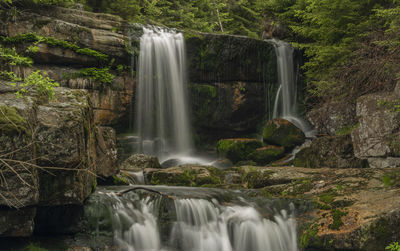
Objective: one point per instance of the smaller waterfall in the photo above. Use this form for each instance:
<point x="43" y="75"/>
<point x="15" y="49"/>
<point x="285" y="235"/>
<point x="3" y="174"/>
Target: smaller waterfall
<point x="285" y="105"/>
<point x="161" y="107"/>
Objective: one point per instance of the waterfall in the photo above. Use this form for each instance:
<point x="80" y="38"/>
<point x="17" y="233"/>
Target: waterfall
<point x="161" y="108"/>
<point x="285" y="105"/>
<point x="139" y="223"/>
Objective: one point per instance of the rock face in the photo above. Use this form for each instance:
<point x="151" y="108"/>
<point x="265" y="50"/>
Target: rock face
<point x="230" y="77"/>
<point x="100" y="32"/>
<point x="281" y="132"/>
<point x="329" y="151"/>
<point x="52" y="153"/>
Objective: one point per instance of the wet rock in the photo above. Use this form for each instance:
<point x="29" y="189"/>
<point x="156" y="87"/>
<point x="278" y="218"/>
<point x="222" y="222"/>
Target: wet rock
<point x="139" y="162"/>
<point x="171" y="163"/>
<point x="224" y="109"/>
<point x="222" y="163"/>
<point x="281" y="132"/>
<point x="238" y="149"/>
<point x="267" y="154"/>
<point x="329" y="151"/>
<point x="221" y="57"/>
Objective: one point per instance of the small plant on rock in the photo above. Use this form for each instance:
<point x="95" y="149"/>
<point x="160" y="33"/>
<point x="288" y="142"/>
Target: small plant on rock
<point x="395" y="246"/>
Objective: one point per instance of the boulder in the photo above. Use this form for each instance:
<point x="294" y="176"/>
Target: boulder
<point x="17" y="223"/>
<point x="378" y="132"/>
<point x="281" y="132"/>
<point x="238" y="149"/>
<point x="329" y="151"/>
<point x="332" y="117"/>
<point x="138" y="162"/>
<point x="267" y="154"/>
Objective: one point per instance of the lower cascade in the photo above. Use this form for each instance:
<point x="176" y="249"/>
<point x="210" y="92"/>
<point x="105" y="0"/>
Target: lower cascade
<point x="145" y="222"/>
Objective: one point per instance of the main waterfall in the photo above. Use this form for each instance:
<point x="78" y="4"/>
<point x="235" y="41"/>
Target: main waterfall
<point x="161" y="108"/>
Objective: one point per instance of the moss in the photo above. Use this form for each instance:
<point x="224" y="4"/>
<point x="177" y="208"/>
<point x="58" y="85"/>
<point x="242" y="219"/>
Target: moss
<point x="327" y="197"/>
<point x="34" y="38"/>
<point x="257" y="179"/>
<point x="238" y="149"/>
<point x="246" y="163"/>
<point x="337" y="215"/>
<point x="101" y="75"/>
<point x="34" y="247"/>
<point x="282" y="133"/>
<point x="203" y="99"/>
<point x="309" y="237"/>
<point x="119" y="180"/>
<point x="11" y="122"/>
<point x="391" y="179"/>
<point x="267" y="154"/>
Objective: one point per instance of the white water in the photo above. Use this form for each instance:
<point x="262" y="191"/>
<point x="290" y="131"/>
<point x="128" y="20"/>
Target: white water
<point x="200" y="225"/>
<point x="285" y="105"/>
<point x="161" y="107"/>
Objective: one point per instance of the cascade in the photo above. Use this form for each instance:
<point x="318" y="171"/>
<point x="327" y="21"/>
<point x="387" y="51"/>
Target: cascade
<point x="285" y="104"/>
<point x="195" y="223"/>
<point x="161" y="108"/>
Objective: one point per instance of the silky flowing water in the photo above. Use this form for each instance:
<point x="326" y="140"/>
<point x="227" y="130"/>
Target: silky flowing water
<point x="191" y="219"/>
<point x="285" y="105"/>
<point x="161" y="108"/>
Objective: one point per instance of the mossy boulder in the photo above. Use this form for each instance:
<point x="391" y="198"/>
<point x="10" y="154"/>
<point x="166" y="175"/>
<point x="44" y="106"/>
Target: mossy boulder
<point x="238" y="149"/>
<point x="266" y="154"/>
<point x="281" y="132"/>
<point x="11" y="122"/>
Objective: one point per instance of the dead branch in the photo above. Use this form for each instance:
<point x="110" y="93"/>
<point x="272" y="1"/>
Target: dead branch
<point x="145" y="189"/>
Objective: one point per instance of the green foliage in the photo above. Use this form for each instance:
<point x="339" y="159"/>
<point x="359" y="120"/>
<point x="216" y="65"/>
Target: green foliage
<point x="37" y="82"/>
<point x="10" y="56"/>
<point x="395" y="246"/>
<point x="102" y="75"/>
<point x="34" y="247"/>
<point x="36" y="39"/>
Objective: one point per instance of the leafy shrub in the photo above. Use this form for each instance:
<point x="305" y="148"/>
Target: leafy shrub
<point x="395" y="246"/>
<point x="37" y="82"/>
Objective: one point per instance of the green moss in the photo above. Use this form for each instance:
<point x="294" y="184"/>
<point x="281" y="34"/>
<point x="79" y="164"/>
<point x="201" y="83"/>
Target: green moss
<point x="337" y="215"/>
<point x="34" y="38"/>
<point x="327" y="197"/>
<point x="267" y="154"/>
<point x="34" y="247"/>
<point x="101" y="75"/>
<point x="346" y="130"/>
<point x="256" y="179"/>
<point x="119" y="180"/>
<point x="391" y="179"/>
<point x="11" y="122"/>
<point x="246" y="163"/>
<point x="309" y="237"/>
<point x="281" y="132"/>
<point x="238" y="149"/>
